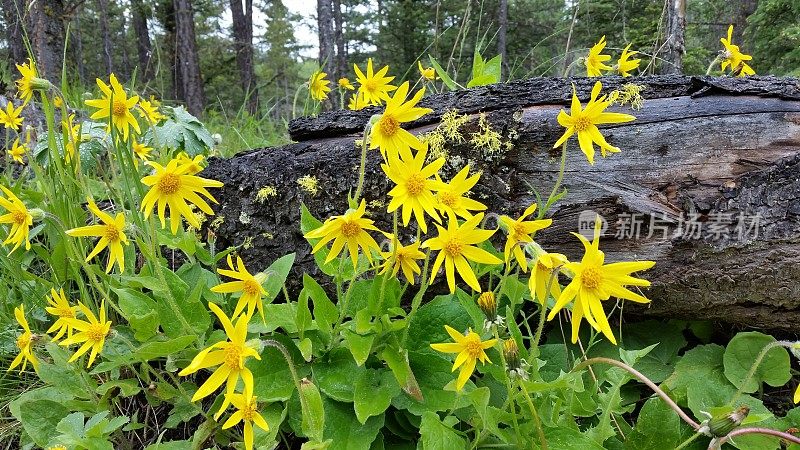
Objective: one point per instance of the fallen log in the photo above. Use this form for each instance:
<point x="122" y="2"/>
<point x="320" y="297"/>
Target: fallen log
<point x="707" y="185"/>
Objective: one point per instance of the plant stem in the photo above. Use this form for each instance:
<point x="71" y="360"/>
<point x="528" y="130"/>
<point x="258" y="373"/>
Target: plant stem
<point x="756" y="363"/>
<point x="691" y="439"/>
<point x="535" y="415"/>
<point x="362" y="167"/>
<point x="766" y="431"/>
<point x="713" y="63"/>
<point x="557" y="186"/>
<point x="671" y="403"/>
<point x="540" y="327"/>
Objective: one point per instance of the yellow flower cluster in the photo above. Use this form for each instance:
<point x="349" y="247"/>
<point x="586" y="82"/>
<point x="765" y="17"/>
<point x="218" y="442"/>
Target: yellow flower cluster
<point x="733" y="58"/>
<point x="595" y="61"/>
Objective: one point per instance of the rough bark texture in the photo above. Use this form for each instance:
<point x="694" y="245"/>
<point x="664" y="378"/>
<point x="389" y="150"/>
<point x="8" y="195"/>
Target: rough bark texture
<point x="242" y="16"/>
<point x="676" y="31"/>
<point x="701" y="149"/>
<point x="502" y="29"/>
<point x="338" y="37"/>
<point x="102" y="8"/>
<point x="327" y="54"/>
<point x="12" y="11"/>
<point x="190" y="81"/>
<point x="144" y="47"/>
<point x="47" y="37"/>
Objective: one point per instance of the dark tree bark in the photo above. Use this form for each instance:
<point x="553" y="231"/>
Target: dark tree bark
<point x="77" y="48"/>
<point x="102" y="8"/>
<point x="676" y="31"/>
<point x="127" y="64"/>
<point x="47" y="37"/>
<point x="338" y="37"/>
<point x="188" y="73"/>
<point x="502" y="20"/>
<point x="144" y="48"/>
<point x="702" y="148"/>
<point x="13" y="10"/>
<point x="243" y="46"/>
<point x="327" y="54"/>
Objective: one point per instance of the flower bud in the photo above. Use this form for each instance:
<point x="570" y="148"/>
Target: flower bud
<point x="488" y="305"/>
<point x="40" y="84"/>
<point x="722" y="425"/>
<point x="37" y="214"/>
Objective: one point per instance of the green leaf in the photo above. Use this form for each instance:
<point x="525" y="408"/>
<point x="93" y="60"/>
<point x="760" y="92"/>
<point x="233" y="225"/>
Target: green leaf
<point x="272" y="377"/>
<point x="485" y="72"/>
<point x="345" y="431"/>
<point x="313" y="411"/>
<point x="39" y="419"/>
<point x="160" y="348"/>
<point x="336" y="374"/>
<point x="656" y="427"/>
<point x="373" y="392"/>
<point x="276" y="276"/>
<point x="427" y="325"/>
<point x="438" y="436"/>
<point x="398" y="363"/>
<point x="360" y="346"/>
<point x="443" y="74"/>
<point x="741" y="354"/>
<point x="325" y="312"/>
<point x="140" y="312"/>
<point x="302" y="318"/>
<point x="569" y="439"/>
<point x="190" y="310"/>
<point x="127" y="387"/>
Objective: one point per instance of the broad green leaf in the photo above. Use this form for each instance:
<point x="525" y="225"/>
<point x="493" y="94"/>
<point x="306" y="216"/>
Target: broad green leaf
<point x="313" y="411"/>
<point x="740" y="356"/>
<point x="427" y="325"/>
<point x="398" y="363"/>
<point x="335" y="374"/>
<point x="485" y="72"/>
<point x="190" y="312"/>
<point x="302" y="318"/>
<point x="273" y="379"/>
<point x="360" y="346"/>
<point x="345" y="431"/>
<point x="570" y="439"/>
<point x="39" y="419"/>
<point x="325" y="312"/>
<point x="127" y="387"/>
<point x="276" y="276"/>
<point x="160" y="348"/>
<point x="656" y="427"/>
<point x="438" y="436"/>
<point x="140" y="312"/>
<point x="373" y="391"/>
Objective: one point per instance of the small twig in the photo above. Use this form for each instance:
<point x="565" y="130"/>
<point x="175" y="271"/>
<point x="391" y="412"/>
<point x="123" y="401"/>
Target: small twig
<point x="716" y="444"/>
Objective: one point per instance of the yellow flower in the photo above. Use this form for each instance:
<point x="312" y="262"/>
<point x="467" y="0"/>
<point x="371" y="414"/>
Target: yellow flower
<point x="58" y="102"/>
<point x="344" y="83"/>
<point x="247" y="406"/>
<point x="172" y="186"/>
<point x="427" y="73"/>
<point x="111" y="234"/>
<point x="456" y="245"/>
<point x="797" y="394"/>
<point x="470" y="349"/>
<point x="229" y="355"/>
<point x="402" y="257"/>
<point x="17" y="151"/>
<point x="351" y="229"/>
<point x="60" y="307"/>
<point x="414" y="190"/>
<point x="450" y="196"/>
<point x="91" y="332"/>
<point x="11" y="116"/>
<point x="249" y="285"/>
<point x="585" y="121"/>
<point x="24" y="342"/>
<point x="149" y="111"/>
<point x="594" y="60"/>
<point x="357" y="102"/>
<point x="373" y="86"/>
<point x="71" y="130"/>
<point x="141" y="151"/>
<point x="543" y="269"/>
<point x="735" y="58"/>
<point x="318" y="86"/>
<point x="386" y="134"/>
<point x="116" y="106"/>
<point x="27" y="83"/>
<point x="519" y="232"/>
<point x="625" y="65"/>
<point x="594" y="281"/>
<point x="19" y="218"/>
<point x="195" y="165"/>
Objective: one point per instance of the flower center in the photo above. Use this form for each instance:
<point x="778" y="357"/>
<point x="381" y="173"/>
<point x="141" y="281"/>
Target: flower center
<point x="519" y="231"/>
<point x="473" y="347"/>
<point x="370" y="85"/>
<point x="389" y="125"/>
<point x="19" y="217"/>
<point x="251" y="288"/>
<point x="96" y="332"/>
<point x="24" y="340"/>
<point x="453" y="247"/>
<point x="233" y="356"/>
<point x="448" y="198"/>
<point x="249" y="410"/>
<point x="169" y="183"/>
<point x="591" y="278"/>
<point x="112" y="232"/>
<point x="582" y="123"/>
<point x="350" y="229"/>
<point x="415" y="184"/>
<point x="65" y="312"/>
<point x="541" y="267"/>
<point x="119" y="108"/>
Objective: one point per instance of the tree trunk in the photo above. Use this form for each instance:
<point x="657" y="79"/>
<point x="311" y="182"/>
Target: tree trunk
<point x="338" y="37"/>
<point x="102" y="8"/>
<point x="502" y="20"/>
<point x="327" y="56"/>
<point x="144" y="48"/>
<point x="12" y="11"/>
<point x="47" y="37"/>
<point x="77" y="49"/>
<point x="676" y="30"/>
<point x="189" y="79"/>
<point x="243" y="47"/>
<point x="704" y="153"/>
